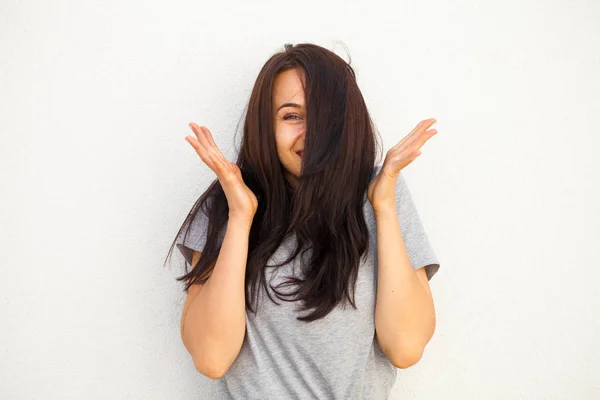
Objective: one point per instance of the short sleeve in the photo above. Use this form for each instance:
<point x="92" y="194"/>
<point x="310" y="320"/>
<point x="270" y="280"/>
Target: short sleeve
<point x="195" y="238"/>
<point x="420" y="251"/>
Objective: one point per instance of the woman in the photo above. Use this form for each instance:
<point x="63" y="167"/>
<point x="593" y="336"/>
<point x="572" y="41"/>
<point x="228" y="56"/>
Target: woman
<point x="292" y="213"/>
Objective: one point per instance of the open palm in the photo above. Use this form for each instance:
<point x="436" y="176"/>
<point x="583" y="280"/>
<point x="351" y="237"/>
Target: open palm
<point x="241" y="200"/>
<point x="381" y="192"/>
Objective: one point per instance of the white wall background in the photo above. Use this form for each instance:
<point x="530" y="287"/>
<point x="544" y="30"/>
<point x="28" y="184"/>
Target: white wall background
<point x="96" y="178"/>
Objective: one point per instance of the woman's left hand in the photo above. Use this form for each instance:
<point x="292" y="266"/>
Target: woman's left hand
<point x="382" y="190"/>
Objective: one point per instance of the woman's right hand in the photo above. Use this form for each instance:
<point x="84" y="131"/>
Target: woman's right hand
<point x="241" y="200"/>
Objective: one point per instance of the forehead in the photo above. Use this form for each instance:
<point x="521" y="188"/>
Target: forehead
<point x="287" y="87"/>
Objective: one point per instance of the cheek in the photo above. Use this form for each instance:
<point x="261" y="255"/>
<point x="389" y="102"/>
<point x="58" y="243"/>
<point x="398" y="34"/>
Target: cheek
<point x="284" y="141"/>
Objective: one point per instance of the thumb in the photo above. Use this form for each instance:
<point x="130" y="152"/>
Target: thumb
<point x="236" y="170"/>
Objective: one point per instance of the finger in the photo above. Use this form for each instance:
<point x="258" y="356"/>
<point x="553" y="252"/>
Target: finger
<point x="400" y="143"/>
<point x="200" y="150"/>
<point x="224" y="165"/>
<point x="210" y="139"/>
<point x="423" y="125"/>
<point x="424" y="136"/>
<point x="237" y="171"/>
<point x="416" y="132"/>
<point x="206" y="153"/>
<point x="207" y="139"/>
<point x="200" y="136"/>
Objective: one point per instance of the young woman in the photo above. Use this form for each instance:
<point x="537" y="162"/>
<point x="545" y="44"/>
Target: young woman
<point x="310" y="265"/>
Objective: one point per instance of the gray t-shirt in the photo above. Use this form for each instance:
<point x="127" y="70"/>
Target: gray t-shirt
<point x="336" y="357"/>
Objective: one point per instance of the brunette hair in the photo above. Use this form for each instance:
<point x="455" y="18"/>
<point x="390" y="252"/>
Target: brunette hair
<point x="325" y="209"/>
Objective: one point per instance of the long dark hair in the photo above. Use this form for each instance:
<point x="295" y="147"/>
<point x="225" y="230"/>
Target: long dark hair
<point x="325" y="209"/>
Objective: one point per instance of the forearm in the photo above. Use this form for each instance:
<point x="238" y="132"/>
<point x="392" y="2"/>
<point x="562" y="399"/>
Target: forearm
<point x="215" y="323"/>
<point x="404" y="312"/>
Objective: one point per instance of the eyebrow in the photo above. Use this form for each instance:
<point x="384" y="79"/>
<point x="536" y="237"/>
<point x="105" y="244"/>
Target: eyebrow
<point x="289" y="105"/>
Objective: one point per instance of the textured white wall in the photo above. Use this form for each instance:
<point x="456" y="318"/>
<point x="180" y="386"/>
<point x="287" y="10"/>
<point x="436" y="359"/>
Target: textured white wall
<point x="97" y="178"/>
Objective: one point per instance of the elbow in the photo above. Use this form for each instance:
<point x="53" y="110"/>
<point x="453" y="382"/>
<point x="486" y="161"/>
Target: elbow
<point x="213" y="359"/>
<point x="406" y="357"/>
<point x="210" y="369"/>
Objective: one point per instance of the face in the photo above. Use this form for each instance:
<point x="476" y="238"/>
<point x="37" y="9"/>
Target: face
<point x="289" y="121"/>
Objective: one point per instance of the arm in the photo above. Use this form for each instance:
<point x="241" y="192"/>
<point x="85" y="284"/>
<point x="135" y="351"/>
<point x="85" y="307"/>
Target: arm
<point x="214" y="316"/>
<point x="404" y="311"/>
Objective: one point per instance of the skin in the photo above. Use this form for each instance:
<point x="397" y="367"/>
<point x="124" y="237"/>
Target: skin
<point x="289" y="121"/>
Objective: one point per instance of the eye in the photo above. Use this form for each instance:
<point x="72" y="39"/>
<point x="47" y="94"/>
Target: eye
<point x="290" y="115"/>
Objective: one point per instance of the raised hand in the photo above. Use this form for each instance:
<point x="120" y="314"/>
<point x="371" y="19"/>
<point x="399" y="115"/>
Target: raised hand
<point x="241" y="200"/>
<point x="382" y="190"/>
